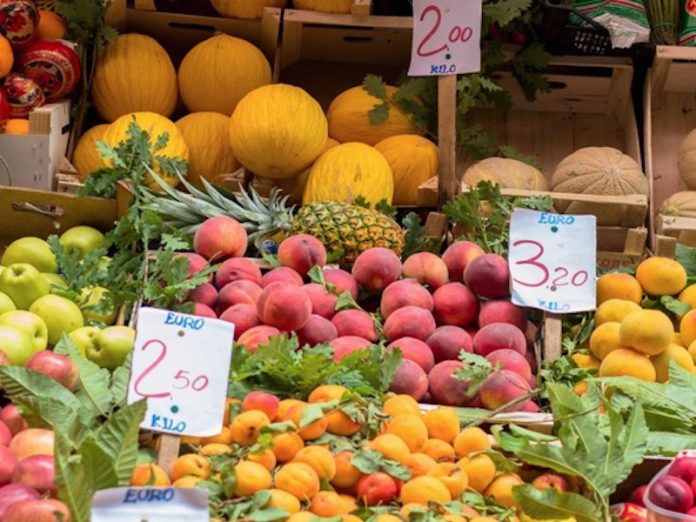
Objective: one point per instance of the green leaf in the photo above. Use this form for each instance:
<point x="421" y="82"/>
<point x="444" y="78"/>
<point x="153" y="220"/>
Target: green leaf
<point x="375" y="86"/>
<point x="316" y="411"/>
<point x="550" y="503"/>
<point x="346" y="302"/>
<point x="119" y="381"/>
<point x="98" y="465"/>
<point x="669" y="444"/>
<point x="686" y="257"/>
<point x="279" y="427"/>
<point x="74" y="485"/>
<point x="674" y="306"/>
<point x="268" y="514"/>
<point x="369" y="461"/>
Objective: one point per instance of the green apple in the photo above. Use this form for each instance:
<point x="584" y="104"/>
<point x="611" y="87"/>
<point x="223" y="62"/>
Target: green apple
<point x="6" y="304"/>
<point x="29" y="323"/>
<point x="16" y="344"/>
<point x="92" y="296"/>
<point x="54" y="281"/>
<point x="32" y="250"/>
<point x="82" y="240"/>
<point x="84" y="337"/>
<point x="111" y="346"/>
<point x="61" y="316"/>
<point x="23" y="283"/>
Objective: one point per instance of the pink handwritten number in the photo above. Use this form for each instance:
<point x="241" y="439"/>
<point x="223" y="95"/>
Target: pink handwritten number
<point x="456" y="35"/>
<point x="136" y="386"/>
<point x="579" y="278"/>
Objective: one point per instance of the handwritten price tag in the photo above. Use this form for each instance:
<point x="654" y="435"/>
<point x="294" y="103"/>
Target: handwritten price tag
<point x="446" y="37"/>
<point x="181" y="365"/>
<point x="151" y="504"/>
<point x="553" y="260"/>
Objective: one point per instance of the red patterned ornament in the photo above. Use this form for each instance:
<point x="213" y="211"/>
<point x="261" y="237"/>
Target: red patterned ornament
<point x="18" y="21"/>
<point x="54" y="65"/>
<point x="23" y="94"/>
<point x="4" y="108"/>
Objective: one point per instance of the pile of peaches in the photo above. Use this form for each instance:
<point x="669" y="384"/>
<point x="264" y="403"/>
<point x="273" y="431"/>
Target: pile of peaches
<point x="306" y="477"/>
<point x="430" y="307"/>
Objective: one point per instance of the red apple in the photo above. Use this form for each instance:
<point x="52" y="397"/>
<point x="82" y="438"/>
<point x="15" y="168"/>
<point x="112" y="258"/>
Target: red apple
<point x="32" y="441"/>
<point x="13" y="419"/>
<point x="377" y="488"/>
<point x="38" y="511"/>
<point x="638" y="495"/>
<point x="8" y="465"/>
<point x="37" y="472"/>
<point x="5" y="434"/>
<point x="59" y="367"/>
<point x="14" y="493"/>
<point x="671" y="493"/>
<point x="551" y="480"/>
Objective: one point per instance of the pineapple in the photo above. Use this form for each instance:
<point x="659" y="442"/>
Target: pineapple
<point x="344" y="229"/>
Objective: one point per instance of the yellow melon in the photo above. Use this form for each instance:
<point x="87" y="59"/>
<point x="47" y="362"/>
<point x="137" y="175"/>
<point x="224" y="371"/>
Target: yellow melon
<point x="508" y="173"/>
<point x="85" y="158"/>
<point x="326" y="6"/>
<point x="681" y="204"/>
<point x="244" y="8"/>
<point x="687" y="160"/>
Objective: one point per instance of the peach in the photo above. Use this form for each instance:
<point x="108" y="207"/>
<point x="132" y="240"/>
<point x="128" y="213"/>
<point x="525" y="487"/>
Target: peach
<point x="257" y="336"/>
<point x="342" y="281"/>
<point x="235" y="269"/>
<point x="511" y="360"/>
<point x="502" y="387"/>
<point x="377" y="488"/>
<point x="488" y="276"/>
<point x="220" y="237"/>
<point x="661" y="276"/>
<point x="502" y="312"/>
<point x="455" y="304"/>
<point x="284" y="306"/>
<point x="605" y="339"/>
<point x="406" y="292"/>
<point x="376" y="268"/>
<point x="196" y="263"/>
<point x="497" y="336"/>
<point x="323" y="302"/>
<point x="348" y="344"/>
<point x="678" y="354"/>
<point x="458" y="255"/>
<point x="301" y="252"/>
<point x="426" y="268"/>
<point x="202" y="310"/>
<point x="627" y="363"/>
<point x="243" y="315"/>
<point x="12" y="418"/>
<point x="318" y="330"/>
<point x="614" y="310"/>
<point x="684" y="468"/>
<point x="648" y="331"/>
<point x="671" y="493"/>
<point x="409" y="321"/>
<point x="237" y="292"/>
<point x="281" y="274"/>
<point x="415" y="350"/>
<point x="355" y="322"/>
<point x="204" y="294"/>
<point x="32" y="441"/>
<point x="447" y="342"/>
<point x="410" y="379"/>
<point x="262" y="401"/>
<point x="551" y="480"/>
<point x="444" y="388"/>
<point x="617" y="285"/>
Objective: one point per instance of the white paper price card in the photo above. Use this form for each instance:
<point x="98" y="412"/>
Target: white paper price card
<point x="553" y="261"/>
<point x="150" y="505"/>
<point x="181" y="365"/>
<point x="446" y="37"/>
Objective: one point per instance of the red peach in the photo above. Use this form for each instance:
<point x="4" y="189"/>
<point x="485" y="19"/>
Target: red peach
<point x="427" y="269"/>
<point x="8" y="465"/>
<point x="323" y="301"/>
<point x="406" y="292"/>
<point x="377" y="488"/>
<point x="343" y="281"/>
<point x="202" y="310"/>
<point x="455" y="304"/>
<point x="244" y="316"/>
<point x="196" y="263"/>
<point x="355" y="322"/>
<point x="409" y="321"/>
<point x="4" y="359"/>
<point x="262" y="401"/>
<point x="344" y="346"/>
<point x="445" y="388"/>
<point x="11" y="417"/>
<point x="638" y="495"/>
<point x="32" y="441"/>
<point x="205" y="294"/>
<point x="511" y="360"/>
<point x="284" y="306"/>
<point x="257" y="336"/>
<point x="410" y="379"/>
<point x="415" y="350"/>
<point x="551" y="480"/>
<point x="14" y="494"/>
<point x="530" y="407"/>
<point x="447" y="342"/>
<point x="220" y="237"/>
<point x="377" y="268"/>
<point x="684" y="468"/>
<point x="671" y="493"/>
<point x="281" y="274"/>
<point x="692" y="511"/>
<point x="59" y="367"/>
<point x="502" y="312"/>
<point x="44" y="510"/>
<point x="502" y="387"/>
<point x="237" y="292"/>
<point x="317" y="331"/>
<point x="488" y="276"/>
<point x="235" y="269"/>
<point x="301" y="252"/>
<point x="37" y="472"/>
<point x="458" y="255"/>
<point x="5" y="434"/>
<point x="497" y="336"/>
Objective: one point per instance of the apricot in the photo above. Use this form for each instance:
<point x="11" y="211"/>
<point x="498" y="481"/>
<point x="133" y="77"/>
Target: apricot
<point x="377" y="268"/>
<point x="422" y="490"/>
<point x="499" y="311"/>
<point x="246" y="427"/>
<point x="281" y="274"/>
<point x="284" y="306"/>
<point x="323" y="301"/>
<point x="415" y="350"/>
<point x="391" y="447"/>
<point x="480" y="470"/>
<point x="512" y="361"/>
<point x="501" y="489"/>
<point x="648" y="331"/>
<point x="447" y="342"/>
<point x="426" y="268"/>
<point x="687" y="328"/>
<point x="283" y="408"/>
<point x="452" y="476"/>
<point x="318" y="330"/>
<point x="411" y="429"/>
<point x="224" y="437"/>
<point x="386" y="517"/>
<point x="243" y="316"/>
<point x="342" y="281"/>
<point x="692" y="351"/>
<point x="346" y="475"/>
<point x="409" y="321"/>
<point x="488" y="276"/>
<point x="215" y="448"/>
<point x="497" y="336"/>
<point x="320" y="459"/>
<point x="688" y="296"/>
<point x="312" y="431"/>
<point x="298" y="479"/>
<point x="676" y="339"/>
<point x="442" y="423"/>
<point x="235" y="269"/>
<point x="625" y="362"/>
<point x="455" y="304"/>
<point x="284" y="500"/>
<point x="675" y="353"/>
<point x="410" y="379"/>
<point x="502" y="387"/>
<point x="406" y="292"/>
<point x="444" y="388"/>
<point x="184" y="482"/>
<point x="420" y="464"/>
<point x="266" y="458"/>
<point x="257" y="336"/>
<point x="328" y="504"/>
<point x="586" y="362"/>
<point x="355" y="322"/>
<point x="251" y="477"/>
<point x="301" y="252"/>
<point x="190" y="464"/>
<point x="614" y="310"/>
<point x="439" y="450"/>
<point x="661" y="276"/>
<point x="471" y="440"/>
<point x="344" y="346"/>
<point x="605" y="339"/>
<point x="302" y="516"/>
<point x="286" y="446"/>
<point x="149" y="475"/>
<point x="262" y="401"/>
<point x="618" y="285"/>
<point x="237" y="292"/>
<point x="458" y="255"/>
<point x="399" y="404"/>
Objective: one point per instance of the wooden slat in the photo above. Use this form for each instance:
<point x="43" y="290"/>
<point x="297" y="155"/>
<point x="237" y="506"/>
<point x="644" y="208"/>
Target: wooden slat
<point x="347" y="20"/>
<point x="361" y="7"/>
<point x="447" y="137"/>
<point x="168" y="451"/>
<point x="553" y="337"/>
<point x="436" y="225"/>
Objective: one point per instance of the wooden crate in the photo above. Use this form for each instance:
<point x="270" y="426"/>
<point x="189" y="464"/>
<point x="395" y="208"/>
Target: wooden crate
<point x="670" y="114"/>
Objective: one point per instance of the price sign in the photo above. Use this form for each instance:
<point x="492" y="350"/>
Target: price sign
<point x="553" y="260"/>
<point x="151" y="504"/>
<point x="446" y="37"/>
<point x="181" y="365"/>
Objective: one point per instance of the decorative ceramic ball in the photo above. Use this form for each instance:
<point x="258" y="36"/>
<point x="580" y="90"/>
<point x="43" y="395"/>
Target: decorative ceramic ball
<point x="53" y="65"/>
<point x="23" y="94"/>
<point x="18" y="21"/>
